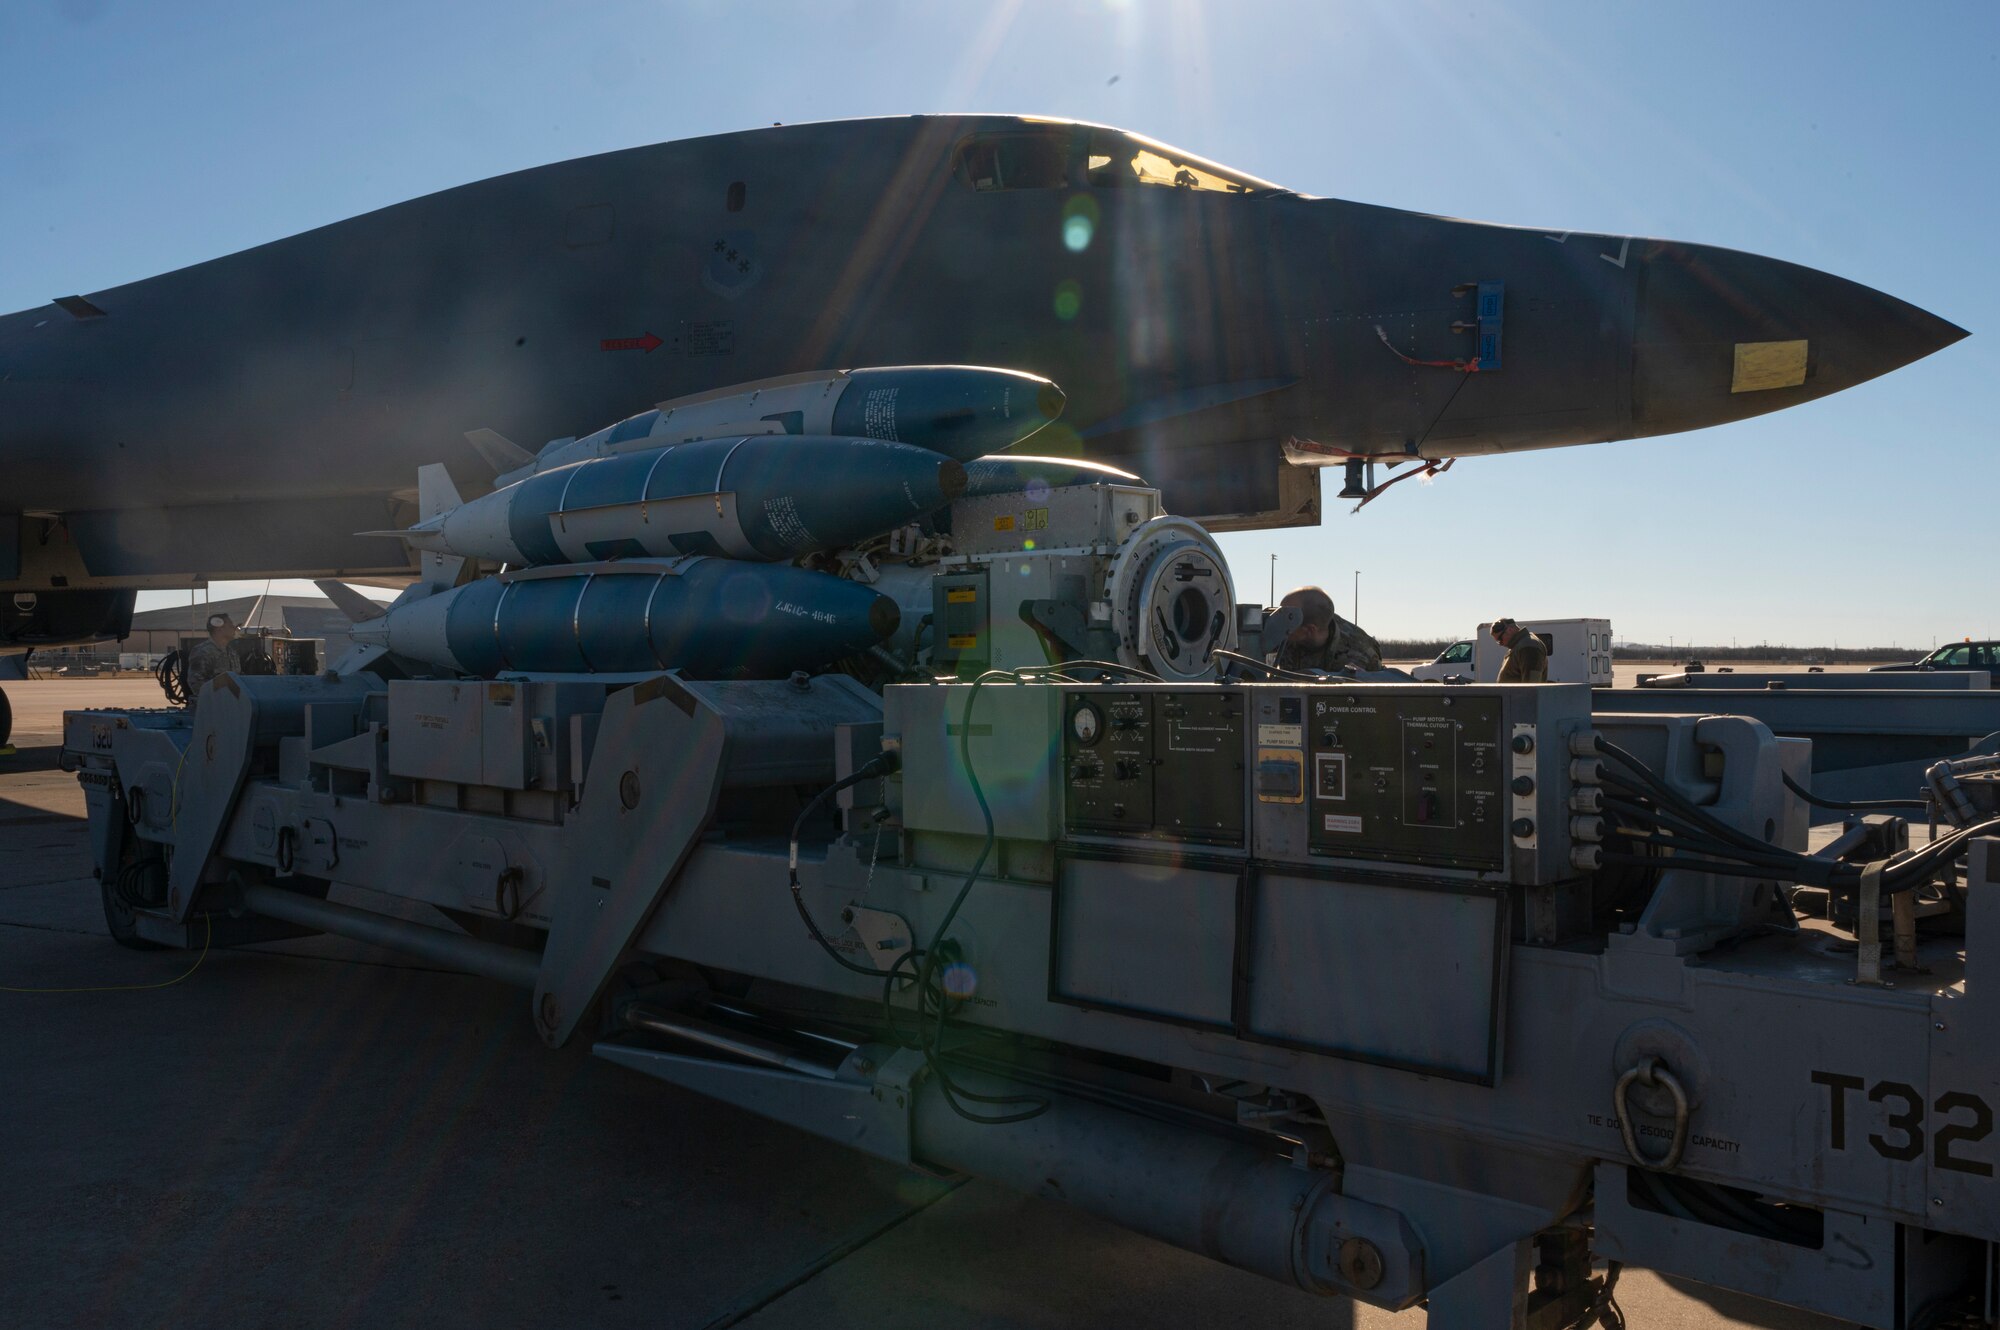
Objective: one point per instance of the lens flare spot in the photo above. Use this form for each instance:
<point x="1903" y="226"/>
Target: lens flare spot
<point x="960" y="980"/>
<point x="1038" y="490"/>
<point x="1028" y="544"/>
<point x="1076" y="234"/>
<point x="1069" y="299"/>
<point x="1059" y="439"/>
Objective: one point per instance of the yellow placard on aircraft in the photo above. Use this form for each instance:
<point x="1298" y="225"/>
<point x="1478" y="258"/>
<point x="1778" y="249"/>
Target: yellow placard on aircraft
<point x="1761" y="365"/>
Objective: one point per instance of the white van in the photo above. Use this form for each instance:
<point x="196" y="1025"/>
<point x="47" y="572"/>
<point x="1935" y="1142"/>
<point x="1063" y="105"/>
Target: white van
<point x="1455" y="659"/>
<point x="1579" y="652"/>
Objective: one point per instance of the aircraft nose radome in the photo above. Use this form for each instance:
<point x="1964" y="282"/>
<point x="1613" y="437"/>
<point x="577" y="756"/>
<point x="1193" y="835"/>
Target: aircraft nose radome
<point x="1722" y="335"/>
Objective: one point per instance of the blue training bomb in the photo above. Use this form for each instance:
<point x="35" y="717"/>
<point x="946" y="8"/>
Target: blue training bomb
<point x="707" y="618"/>
<point x="766" y="496"/>
<point x="961" y="411"/>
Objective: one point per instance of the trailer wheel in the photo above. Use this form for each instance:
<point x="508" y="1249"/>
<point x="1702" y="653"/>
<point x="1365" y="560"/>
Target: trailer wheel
<point x="6" y="718"/>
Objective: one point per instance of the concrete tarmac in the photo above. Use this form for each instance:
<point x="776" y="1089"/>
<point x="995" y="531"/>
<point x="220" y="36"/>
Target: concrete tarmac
<point x="319" y="1133"/>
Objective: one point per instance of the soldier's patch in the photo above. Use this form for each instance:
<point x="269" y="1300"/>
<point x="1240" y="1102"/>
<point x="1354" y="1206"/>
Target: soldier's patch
<point x="731" y="267"/>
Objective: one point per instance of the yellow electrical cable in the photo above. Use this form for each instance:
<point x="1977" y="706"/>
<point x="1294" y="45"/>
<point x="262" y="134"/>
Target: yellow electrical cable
<point x="133" y="988"/>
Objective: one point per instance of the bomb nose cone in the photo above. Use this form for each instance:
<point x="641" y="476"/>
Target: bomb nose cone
<point x="1013" y="473"/>
<point x="961" y="411"/>
<point x="883" y="617"/>
<point x="1722" y="335"/>
<point x="951" y="479"/>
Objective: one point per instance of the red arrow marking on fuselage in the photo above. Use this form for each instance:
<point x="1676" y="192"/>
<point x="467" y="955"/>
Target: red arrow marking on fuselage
<point x="646" y="343"/>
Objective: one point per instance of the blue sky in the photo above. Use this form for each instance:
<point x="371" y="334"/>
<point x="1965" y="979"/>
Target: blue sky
<point x="1852" y="137"/>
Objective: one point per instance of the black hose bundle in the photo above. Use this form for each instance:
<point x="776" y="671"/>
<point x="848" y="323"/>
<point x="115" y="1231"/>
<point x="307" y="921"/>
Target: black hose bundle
<point x="1849" y="805"/>
<point x="1662" y="818"/>
<point x="142" y="883"/>
<point x="168" y="674"/>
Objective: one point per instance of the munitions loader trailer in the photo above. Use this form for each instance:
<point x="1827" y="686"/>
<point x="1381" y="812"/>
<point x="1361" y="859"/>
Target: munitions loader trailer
<point x="1458" y="996"/>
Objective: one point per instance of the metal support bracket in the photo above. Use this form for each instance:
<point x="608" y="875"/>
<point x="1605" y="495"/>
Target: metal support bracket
<point x="650" y="793"/>
<point x="1492" y="1295"/>
<point x="204" y="797"/>
<point x="1059" y="622"/>
<point x="870" y="1112"/>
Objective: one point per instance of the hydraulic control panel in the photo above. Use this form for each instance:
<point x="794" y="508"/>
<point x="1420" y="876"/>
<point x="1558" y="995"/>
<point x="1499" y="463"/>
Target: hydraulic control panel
<point x="1159" y="763"/>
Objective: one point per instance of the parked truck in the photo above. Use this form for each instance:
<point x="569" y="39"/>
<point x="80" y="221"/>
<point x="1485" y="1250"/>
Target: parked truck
<point x="1579" y="652"/>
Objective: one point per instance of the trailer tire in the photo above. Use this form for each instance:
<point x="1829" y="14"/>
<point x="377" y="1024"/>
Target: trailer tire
<point x="6" y="718"/>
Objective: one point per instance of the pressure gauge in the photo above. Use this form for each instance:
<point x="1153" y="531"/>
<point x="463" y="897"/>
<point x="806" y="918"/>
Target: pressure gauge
<point x="1086" y="724"/>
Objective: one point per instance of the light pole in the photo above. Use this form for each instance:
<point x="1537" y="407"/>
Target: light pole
<point x="1357" y="598"/>
<point x="1274" y="581"/>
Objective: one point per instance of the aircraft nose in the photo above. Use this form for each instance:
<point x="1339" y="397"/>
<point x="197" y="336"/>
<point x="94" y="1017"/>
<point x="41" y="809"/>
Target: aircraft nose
<point x="1722" y="335"/>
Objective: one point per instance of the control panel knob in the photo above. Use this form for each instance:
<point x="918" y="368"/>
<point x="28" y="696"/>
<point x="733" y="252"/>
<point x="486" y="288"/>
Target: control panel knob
<point x="1523" y="827"/>
<point x="1524" y="785"/>
<point x="1523" y="744"/>
<point x="1127" y="769"/>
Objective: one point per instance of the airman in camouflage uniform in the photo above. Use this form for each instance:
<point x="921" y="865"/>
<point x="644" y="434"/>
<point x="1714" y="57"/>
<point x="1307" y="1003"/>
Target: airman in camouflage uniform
<point x="1527" y="659"/>
<point x="1324" y="640"/>
<point x="212" y="657"/>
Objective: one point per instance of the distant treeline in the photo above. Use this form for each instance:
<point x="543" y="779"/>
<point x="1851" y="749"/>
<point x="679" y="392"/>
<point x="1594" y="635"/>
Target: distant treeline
<point x="1800" y="655"/>
<point x="1406" y="649"/>
<point x="1396" y="649"/>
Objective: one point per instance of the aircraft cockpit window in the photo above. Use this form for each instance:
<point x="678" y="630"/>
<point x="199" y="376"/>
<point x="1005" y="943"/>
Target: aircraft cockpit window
<point x="1106" y="159"/>
<point x="1016" y="161"/>
<point x="1152" y="168"/>
<point x="1124" y="159"/>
